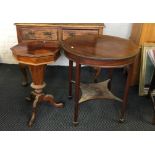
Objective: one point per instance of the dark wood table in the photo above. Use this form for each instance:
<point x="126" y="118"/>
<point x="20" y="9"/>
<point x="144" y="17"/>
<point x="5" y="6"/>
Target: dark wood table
<point x="98" y="51"/>
<point x="37" y="55"/>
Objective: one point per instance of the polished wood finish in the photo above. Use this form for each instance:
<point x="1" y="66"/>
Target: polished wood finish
<point x="70" y="74"/>
<point x="37" y="52"/>
<point x="141" y="33"/>
<point x="99" y="51"/>
<point x="71" y="33"/>
<point x="95" y="49"/>
<point x="77" y="93"/>
<point x="37" y="55"/>
<point x="53" y="32"/>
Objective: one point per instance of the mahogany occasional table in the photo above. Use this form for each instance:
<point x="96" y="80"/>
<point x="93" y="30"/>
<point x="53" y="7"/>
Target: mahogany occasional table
<point x="37" y="55"/>
<point x="98" y="51"/>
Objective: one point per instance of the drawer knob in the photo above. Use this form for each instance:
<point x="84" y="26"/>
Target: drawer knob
<point x="49" y="34"/>
<point x="29" y="35"/>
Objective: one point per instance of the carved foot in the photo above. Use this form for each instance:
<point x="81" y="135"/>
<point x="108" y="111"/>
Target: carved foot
<point x="24" y="83"/>
<point x="50" y="99"/>
<point x="33" y="116"/>
<point x="121" y="120"/>
<point x="70" y="97"/>
<point x="31" y="97"/>
<point x="38" y="98"/>
<point x="75" y="124"/>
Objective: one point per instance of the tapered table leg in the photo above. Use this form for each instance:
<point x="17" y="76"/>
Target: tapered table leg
<point x="97" y="73"/>
<point x="110" y="70"/>
<point x="34" y="111"/>
<point x="77" y="93"/>
<point x="70" y="74"/>
<point x="125" y="98"/>
<point x="37" y="73"/>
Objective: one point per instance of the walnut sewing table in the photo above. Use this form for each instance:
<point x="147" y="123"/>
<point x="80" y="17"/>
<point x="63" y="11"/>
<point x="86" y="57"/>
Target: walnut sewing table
<point x="98" y="51"/>
<point x="37" y="55"/>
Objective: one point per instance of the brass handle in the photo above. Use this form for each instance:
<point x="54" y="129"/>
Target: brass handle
<point x="48" y="33"/>
<point x="31" y="33"/>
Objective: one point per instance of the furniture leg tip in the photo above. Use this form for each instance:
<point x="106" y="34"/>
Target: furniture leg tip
<point x="28" y="99"/>
<point x="59" y="105"/>
<point x="95" y="80"/>
<point x="75" y="124"/>
<point x="30" y="124"/>
<point x="70" y="97"/>
<point x="24" y="84"/>
<point x="121" y="120"/>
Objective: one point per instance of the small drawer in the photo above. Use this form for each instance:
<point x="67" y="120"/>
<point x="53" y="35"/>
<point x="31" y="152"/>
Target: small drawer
<point x="71" y="33"/>
<point x="39" y="34"/>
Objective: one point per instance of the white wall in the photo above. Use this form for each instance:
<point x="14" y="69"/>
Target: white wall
<point x="8" y="38"/>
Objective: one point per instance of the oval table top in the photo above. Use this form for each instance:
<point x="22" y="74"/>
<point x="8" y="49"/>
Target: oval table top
<point x="100" y="47"/>
<point x="36" y="52"/>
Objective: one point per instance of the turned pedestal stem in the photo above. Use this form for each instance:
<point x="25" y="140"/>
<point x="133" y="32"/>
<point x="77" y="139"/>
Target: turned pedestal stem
<point x="37" y="73"/>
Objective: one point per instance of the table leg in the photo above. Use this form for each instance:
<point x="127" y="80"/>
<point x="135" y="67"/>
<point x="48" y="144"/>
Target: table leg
<point x="34" y="111"/>
<point x="37" y="73"/>
<point x="97" y="73"/>
<point x="110" y="70"/>
<point x="77" y="93"/>
<point x="70" y="74"/>
<point x="125" y="98"/>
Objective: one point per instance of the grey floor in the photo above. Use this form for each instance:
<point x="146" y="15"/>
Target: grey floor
<point x="95" y="115"/>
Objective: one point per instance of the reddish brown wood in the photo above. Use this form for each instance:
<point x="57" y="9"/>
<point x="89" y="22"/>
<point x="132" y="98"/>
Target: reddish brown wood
<point x="37" y="55"/>
<point x="102" y="47"/>
<point x="53" y="32"/>
<point x="110" y="77"/>
<point x="70" y="74"/>
<point x="77" y="91"/>
<point x="101" y="51"/>
<point x="97" y="73"/>
<point x="125" y="98"/>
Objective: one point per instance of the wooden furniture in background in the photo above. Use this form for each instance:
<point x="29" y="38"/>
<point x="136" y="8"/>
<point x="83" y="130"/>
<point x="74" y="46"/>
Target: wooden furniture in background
<point x="37" y="55"/>
<point x="55" y="32"/>
<point x="98" y="51"/>
<point x="141" y="33"/>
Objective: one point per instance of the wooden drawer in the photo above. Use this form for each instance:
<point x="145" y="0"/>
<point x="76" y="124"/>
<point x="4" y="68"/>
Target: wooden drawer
<point x="39" y="34"/>
<point x="73" y="32"/>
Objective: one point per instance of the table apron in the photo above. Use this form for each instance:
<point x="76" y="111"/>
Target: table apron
<point x="101" y="63"/>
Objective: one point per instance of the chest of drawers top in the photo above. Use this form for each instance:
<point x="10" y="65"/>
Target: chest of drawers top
<point x="55" y="32"/>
